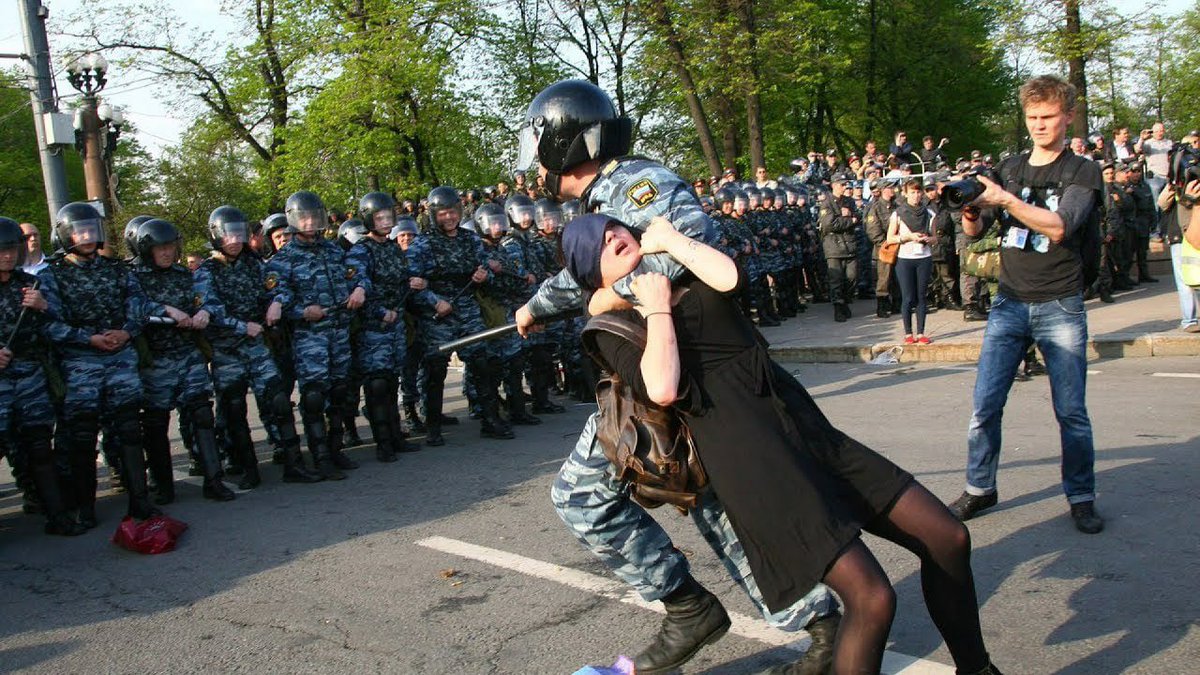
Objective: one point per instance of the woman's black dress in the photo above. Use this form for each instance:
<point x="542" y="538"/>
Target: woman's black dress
<point x="796" y="490"/>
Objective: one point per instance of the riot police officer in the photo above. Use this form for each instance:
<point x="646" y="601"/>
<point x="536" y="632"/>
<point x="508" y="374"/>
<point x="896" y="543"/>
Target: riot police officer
<point x="96" y="307"/>
<point x="452" y="261"/>
<point x="232" y="288"/>
<point x="26" y="413"/>
<point x="405" y="233"/>
<point x="174" y="373"/>
<point x="839" y="225"/>
<point x="381" y="269"/>
<point x="310" y="284"/>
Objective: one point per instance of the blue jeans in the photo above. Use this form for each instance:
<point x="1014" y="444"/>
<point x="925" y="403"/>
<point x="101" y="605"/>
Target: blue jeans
<point x="1187" y="294"/>
<point x="1059" y="328"/>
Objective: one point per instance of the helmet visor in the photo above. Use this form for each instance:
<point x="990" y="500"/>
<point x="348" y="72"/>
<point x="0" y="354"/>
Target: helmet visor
<point x="521" y="215"/>
<point x="235" y="233"/>
<point x="551" y="221"/>
<point x="528" y="137"/>
<point x="383" y="221"/>
<point x="307" y="221"/>
<point x="741" y="203"/>
<point x="492" y="223"/>
<point x="88" y="231"/>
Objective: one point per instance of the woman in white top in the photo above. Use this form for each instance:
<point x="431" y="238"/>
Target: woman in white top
<point x="910" y="226"/>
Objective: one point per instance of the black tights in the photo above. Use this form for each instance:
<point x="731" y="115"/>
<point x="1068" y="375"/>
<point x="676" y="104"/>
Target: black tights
<point x="923" y="525"/>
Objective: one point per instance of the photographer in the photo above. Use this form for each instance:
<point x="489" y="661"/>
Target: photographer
<point x="932" y="157"/>
<point x="1181" y="219"/>
<point x="1046" y="202"/>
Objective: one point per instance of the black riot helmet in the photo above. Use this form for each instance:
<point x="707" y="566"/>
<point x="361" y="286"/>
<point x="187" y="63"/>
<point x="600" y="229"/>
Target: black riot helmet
<point x="570" y="209"/>
<point x="521" y="212"/>
<point x="491" y="218"/>
<point x="129" y="236"/>
<point x="723" y="196"/>
<point x="472" y="196"/>
<point x="11" y="236"/>
<point x="797" y="165"/>
<point x="754" y="196"/>
<point x="781" y="196"/>
<point x="78" y="223"/>
<point x="404" y="226"/>
<point x="569" y="123"/>
<point x="442" y="198"/>
<point x="549" y="216"/>
<point x="270" y="225"/>
<point x="155" y="232"/>
<point x="350" y="233"/>
<point x="227" y="225"/>
<point x="378" y="212"/>
<point x="306" y="213"/>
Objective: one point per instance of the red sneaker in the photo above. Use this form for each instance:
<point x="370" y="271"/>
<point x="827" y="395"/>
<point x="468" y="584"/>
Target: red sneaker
<point x="908" y="340"/>
<point x="923" y="340"/>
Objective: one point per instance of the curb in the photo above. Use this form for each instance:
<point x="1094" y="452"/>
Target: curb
<point x="1107" y="346"/>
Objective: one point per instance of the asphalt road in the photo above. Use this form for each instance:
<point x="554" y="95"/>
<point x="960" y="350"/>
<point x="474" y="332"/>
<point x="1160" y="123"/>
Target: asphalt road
<point x="329" y="577"/>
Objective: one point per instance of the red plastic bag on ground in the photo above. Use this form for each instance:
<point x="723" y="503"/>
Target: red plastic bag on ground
<point x="150" y="536"/>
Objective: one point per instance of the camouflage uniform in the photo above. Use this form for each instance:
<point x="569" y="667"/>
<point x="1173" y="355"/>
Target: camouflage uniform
<point x="599" y="511"/>
<point x="174" y="373"/>
<point x="26" y="412"/>
<point x="559" y="339"/>
<point x="381" y="270"/>
<point x="233" y="292"/>
<point x="86" y="297"/>
<point x="447" y="263"/>
<point x="304" y="274"/>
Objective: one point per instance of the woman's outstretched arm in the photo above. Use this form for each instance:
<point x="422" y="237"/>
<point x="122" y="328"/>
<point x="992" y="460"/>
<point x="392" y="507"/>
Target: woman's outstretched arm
<point x="660" y="362"/>
<point x="709" y="265"/>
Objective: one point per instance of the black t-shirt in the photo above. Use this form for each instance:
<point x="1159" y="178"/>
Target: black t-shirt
<point x="1041" y="270"/>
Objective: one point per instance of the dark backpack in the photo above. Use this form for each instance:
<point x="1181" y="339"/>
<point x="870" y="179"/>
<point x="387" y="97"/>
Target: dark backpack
<point x="1090" y="235"/>
<point x="649" y="446"/>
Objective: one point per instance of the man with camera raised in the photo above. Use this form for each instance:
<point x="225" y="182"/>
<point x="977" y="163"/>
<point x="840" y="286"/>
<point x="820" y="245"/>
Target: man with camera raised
<point x="1047" y="204"/>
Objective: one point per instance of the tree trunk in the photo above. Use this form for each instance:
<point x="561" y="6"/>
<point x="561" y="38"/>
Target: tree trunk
<point x="729" y="128"/>
<point x="679" y="66"/>
<point x="745" y="14"/>
<point x="872" y="91"/>
<point x="1077" y="65"/>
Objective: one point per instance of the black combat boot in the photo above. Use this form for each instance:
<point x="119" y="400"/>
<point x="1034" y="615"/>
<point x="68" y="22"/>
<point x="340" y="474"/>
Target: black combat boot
<point x="974" y="313"/>
<point x="818" y="657"/>
<point x="513" y="374"/>
<point x="336" y="415"/>
<point x="204" y="442"/>
<point x="81" y="433"/>
<point x="883" y="308"/>
<point x="377" y="395"/>
<point x="294" y="470"/>
<point x="317" y="438"/>
<point x="43" y="477"/>
<point x="695" y="618"/>
<point x="155" y="427"/>
<point x="415" y="424"/>
<point x="128" y="429"/>
<point x="400" y="442"/>
<point x="840" y="312"/>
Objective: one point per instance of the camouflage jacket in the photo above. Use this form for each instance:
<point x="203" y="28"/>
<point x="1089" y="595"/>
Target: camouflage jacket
<point x="383" y="271"/>
<point x="172" y="287"/>
<point x="447" y="262"/>
<point x="632" y="190"/>
<point x="30" y="341"/>
<point x="89" y="296"/>
<point x="234" y="293"/>
<point x="316" y="273"/>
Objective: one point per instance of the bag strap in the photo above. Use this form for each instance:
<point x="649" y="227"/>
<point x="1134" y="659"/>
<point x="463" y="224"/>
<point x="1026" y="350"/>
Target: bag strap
<point x="620" y="324"/>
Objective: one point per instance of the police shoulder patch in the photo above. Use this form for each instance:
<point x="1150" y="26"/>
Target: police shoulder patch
<point x="642" y="192"/>
<point x="271" y="282"/>
<point x="350" y="272"/>
<point x="198" y="301"/>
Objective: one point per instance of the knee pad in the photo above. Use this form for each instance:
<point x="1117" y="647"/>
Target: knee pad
<point x="279" y="405"/>
<point x="377" y="388"/>
<point x="200" y="412"/>
<point x="236" y="409"/>
<point x="435" y="369"/>
<point x="127" y="423"/>
<point x="312" y="400"/>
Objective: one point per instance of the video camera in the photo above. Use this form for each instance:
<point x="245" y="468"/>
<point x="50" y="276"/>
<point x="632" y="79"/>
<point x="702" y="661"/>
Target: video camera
<point x="1185" y="166"/>
<point x="958" y="194"/>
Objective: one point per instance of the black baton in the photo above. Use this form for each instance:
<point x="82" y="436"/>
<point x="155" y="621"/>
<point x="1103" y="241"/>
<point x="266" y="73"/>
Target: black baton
<point x="499" y="331"/>
<point x="20" y="318"/>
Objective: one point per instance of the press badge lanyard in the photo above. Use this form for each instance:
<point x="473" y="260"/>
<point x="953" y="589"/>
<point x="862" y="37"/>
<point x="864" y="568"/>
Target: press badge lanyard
<point x="1018" y="237"/>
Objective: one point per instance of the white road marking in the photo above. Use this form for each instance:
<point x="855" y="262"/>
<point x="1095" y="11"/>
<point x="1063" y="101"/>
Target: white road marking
<point x="743" y="626"/>
<point x="1188" y="376"/>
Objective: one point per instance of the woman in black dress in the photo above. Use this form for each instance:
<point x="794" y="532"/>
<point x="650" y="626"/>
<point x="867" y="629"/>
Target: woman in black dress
<point x="797" y="491"/>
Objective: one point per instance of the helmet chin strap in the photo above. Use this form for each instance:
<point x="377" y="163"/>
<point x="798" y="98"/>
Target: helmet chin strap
<point x="554" y="182"/>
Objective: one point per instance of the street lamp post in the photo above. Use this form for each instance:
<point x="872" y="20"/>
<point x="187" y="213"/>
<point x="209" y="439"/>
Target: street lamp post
<point x="97" y="125"/>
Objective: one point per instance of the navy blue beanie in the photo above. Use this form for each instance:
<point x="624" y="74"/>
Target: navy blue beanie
<point x="582" y="244"/>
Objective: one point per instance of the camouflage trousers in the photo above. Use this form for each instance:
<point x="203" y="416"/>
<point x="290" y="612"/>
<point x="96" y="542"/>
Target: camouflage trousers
<point x="601" y="514"/>
<point x="175" y="379"/>
<point x="246" y="364"/>
<point x="101" y="382"/>
<point x="24" y="397"/>
<point x="322" y="354"/>
<point x="383" y="350"/>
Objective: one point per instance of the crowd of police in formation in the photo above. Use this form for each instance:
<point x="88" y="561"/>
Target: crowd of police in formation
<point x="341" y="314"/>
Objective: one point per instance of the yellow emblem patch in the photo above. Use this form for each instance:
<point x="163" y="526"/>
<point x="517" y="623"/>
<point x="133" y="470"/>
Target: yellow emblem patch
<point x="349" y="272"/>
<point x="198" y="300"/>
<point x="271" y="282"/>
<point x="642" y="192"/>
